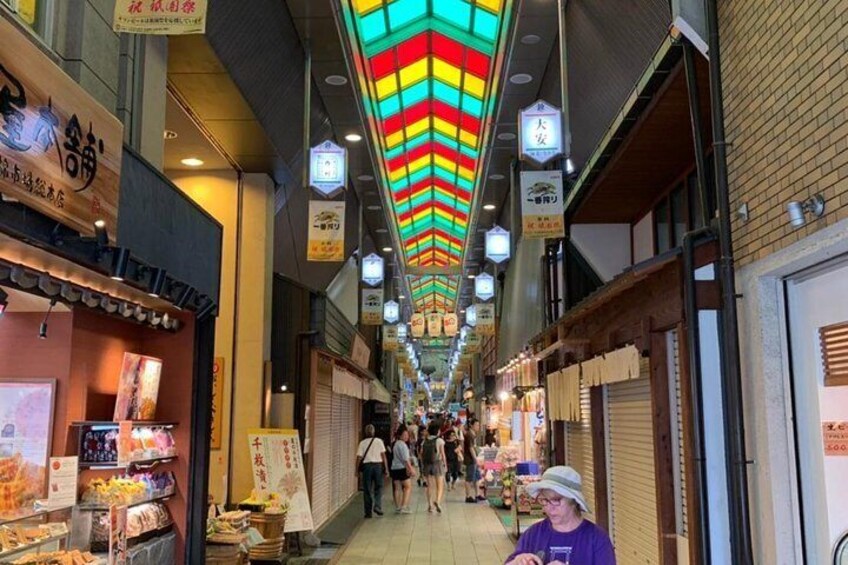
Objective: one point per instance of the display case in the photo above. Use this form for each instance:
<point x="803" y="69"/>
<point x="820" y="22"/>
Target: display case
<point x="38" y="532"/>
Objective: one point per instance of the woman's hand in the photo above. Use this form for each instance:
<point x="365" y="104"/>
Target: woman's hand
<point x="526" y="559"/>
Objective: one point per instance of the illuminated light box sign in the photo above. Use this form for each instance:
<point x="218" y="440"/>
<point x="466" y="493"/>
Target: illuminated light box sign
<point x="327" y="168"/>
<point x="540" y="125"/>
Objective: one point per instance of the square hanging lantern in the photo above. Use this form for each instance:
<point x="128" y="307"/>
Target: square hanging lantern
<point x="540" y="127"/>
<point x="372" y="269"/>
<point x="471" y="315"/>
<point x="402" y="333"/>
<point x="327" y="168"/>
<point x="497" y="245"/>
<point x="391" y="311"/>
<point x="484" y="286"/>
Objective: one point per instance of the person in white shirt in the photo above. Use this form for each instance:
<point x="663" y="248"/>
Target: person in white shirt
<point x="372" y="463"/>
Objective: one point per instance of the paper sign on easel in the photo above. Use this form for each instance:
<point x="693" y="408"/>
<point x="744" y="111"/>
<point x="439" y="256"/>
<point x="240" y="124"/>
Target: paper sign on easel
<point x="63" y="481"/>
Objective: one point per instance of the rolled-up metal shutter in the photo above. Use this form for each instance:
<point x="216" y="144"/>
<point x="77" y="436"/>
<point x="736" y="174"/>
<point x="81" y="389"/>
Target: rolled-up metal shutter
<point x="580" y="450"/>
<point x="322" y="452"/>
<point x="340" y="467"/>
<point x="632" y="476"/>
<point x="678" y="448"/>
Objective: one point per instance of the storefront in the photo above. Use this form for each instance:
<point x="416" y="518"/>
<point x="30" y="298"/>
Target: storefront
<point x="106" y="331"/>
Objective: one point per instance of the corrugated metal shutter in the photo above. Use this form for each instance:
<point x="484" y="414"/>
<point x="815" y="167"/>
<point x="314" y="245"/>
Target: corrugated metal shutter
<point x="339" y="465"/>
<point x="632" y="476"/>
<point x="580" y="450"/>
<point x="679" y="446"/>
<point x="322" y="454"/>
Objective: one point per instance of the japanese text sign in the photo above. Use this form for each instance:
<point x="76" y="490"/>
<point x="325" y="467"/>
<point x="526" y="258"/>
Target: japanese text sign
<point x="451" y="323"/>
<point x="417" y="325"/>
<point x="160" y="17"/>
<point x="60" y="151"/>
<point x="275" y="456"/>
<point x="541" y="204"/>
<point x="372" y="306"/>
<point x="327" y="168"/>
<point x="835" y="436"/>
<point x="217" y="402"/>
<point x="434" y="324"/>
<point x="390" y="337"/>
<point x="326" y="231"/>
<point x="486" y="319"/>
<point x="540" y="125"/>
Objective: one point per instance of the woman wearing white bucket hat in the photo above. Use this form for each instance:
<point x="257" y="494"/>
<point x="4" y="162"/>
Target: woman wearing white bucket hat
<point x="564" y="537"/>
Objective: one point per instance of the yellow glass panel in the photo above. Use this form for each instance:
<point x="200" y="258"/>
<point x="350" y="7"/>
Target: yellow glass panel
<point x="418" y="127"/>
<point x="468" y="139"/>
<point x="491" y="5"/>
<point x="419" y="164"/>
<point x="413" y="73"/>
<point x="394" y="139"/>
<point x="444" y="127"/>
<point x="364" y="6"/>
<point x="397" y="174"/>
<point x="474" y="85"/>
<point x="386" y="86"/>
<point x="422" y="215"/>
<point x="446" y="164"/>
<point x="446" y="72"/>
<point x="467" y="174"/>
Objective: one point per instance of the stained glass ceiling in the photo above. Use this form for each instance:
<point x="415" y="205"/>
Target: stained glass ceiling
<point x="431" y="293"/>
<point x="428" y="73"/>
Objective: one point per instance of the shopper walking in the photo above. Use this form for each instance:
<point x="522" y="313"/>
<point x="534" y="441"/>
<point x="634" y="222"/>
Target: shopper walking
<point x="434" y="465"/>
<point x="371" y="462"/>
<point x="469" y="455"/>
<point x="452" y="448"/>
<point x="402" y="472"/>
<point x="422" y="437"/>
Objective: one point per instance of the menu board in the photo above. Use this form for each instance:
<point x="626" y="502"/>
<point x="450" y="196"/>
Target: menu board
<point x="26" y="422"/>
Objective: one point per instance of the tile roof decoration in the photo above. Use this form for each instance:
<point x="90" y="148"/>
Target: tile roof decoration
<point x="428" y="74"/>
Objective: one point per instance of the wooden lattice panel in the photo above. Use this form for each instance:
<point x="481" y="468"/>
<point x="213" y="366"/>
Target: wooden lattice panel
<point x="834" y="346"/>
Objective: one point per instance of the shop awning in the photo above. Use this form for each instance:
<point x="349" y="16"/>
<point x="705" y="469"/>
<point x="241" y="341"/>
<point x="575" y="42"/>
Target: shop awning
<point x="380" y="393"/>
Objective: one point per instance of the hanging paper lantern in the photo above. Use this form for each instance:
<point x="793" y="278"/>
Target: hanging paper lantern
<point x="391" y="311"/>
<point x="497" y="245"/>
<point x="484" y="286"/>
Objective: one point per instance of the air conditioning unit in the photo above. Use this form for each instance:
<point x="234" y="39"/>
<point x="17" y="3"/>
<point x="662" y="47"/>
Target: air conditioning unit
<point x="11" y="4"/>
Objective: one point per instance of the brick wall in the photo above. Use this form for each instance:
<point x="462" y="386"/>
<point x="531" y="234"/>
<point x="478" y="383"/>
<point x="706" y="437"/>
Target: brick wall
<point x="785" y="73"/>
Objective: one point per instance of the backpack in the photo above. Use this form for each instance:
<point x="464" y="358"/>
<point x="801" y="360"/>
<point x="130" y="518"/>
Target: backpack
<point x="428" y="452"/>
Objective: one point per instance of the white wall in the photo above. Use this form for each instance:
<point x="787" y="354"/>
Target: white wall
<point x="343" y="290"/>
<point x="643" y="239"/>
<point x="605" y="246"/>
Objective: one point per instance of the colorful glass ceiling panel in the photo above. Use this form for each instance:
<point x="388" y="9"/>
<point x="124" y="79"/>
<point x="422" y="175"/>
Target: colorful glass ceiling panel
<point x="434" y="293"/>
<point x="428" y="76"/>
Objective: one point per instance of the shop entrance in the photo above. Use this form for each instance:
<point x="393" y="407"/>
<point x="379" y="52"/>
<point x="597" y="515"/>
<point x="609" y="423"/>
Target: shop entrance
<point x="817" y="300"/>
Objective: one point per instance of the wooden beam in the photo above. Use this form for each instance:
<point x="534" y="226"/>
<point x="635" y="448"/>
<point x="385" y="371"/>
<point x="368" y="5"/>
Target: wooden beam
<point x="663" y="452"/>
<point x="599" y="456"/>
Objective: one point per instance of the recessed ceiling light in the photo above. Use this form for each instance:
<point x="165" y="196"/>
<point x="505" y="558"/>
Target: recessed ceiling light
<point x="353" y="137"/>
<point x="506" y="136"/>
<point x="387" y="250"/>
<point x="336" y="80"/>
<point x="192" y="162"/>
<point x="471" y="276"/>
<point x="489" y="207"/>
<point x="365" y="177"/>
<point x="170" y="134"/>
<point x="521" y="78"/>
<point x="99" y="224"/>
<point x="375" y="207"/>
<point x="496" y="176"/>
<point x="381" y="230"/>
<point x="531" y="39"/>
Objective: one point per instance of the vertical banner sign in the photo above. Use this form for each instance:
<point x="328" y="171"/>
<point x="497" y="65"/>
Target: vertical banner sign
<point x="434" y="324"/>
<point x="326" y="231"/>
<point x="541" y="204"/>
<point x="485" y="319"/>
<point x="417" y="325"/>
<point x="60" y="151"/>
<point x="217" y="402"/>
<point x="117" y="535"/>
<point x="278" y="468"/>
<point x="160" y="17"/>
<point x="372" y="306"/>
<point x="390" y="337"/>
<point x="451" y="323"/>
<point x="472" y="344"/>
<point x="327" y="168"/>
<point x="540" y="125"/>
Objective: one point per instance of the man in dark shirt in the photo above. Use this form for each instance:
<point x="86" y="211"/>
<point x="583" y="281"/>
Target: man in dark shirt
<point x="469" y="455"/>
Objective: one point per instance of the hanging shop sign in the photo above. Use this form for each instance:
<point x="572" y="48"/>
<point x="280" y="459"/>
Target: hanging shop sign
<point x="484" y="286"/>
<point x="541" y="204"/>
<point x="485" y="319"/>
<point x="451" y="324"/>
<point x="835" y="435"/>
<point x="540" y="125"/>
<point x="360" y="353"/>
<point x="391" y="311"/>
<point x="327" y="168"/>
<point x="434" y="324"/>
<point x="471" y="315"/>
<point x="401" y="333"/>
<point x="60" y="151"/>
<point x="390" y="337"/>
<point x="372" y="270"/>
<point x="372" y="306"/>
<point x="326" y="231"/>
<point x="278" y="469"/>
<point x="473" y="343"/>
<point x="160" y="17"/>
<point x="497" y="245"/>
<point x="417" y="325"/>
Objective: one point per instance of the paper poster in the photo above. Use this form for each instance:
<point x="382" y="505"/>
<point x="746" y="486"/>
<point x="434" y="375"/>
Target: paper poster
<point x="417" y="325"/>
<point x="451" y="324"/>
<point x="434" y="324"/>
<point x="360" y="353"/>
<point x="835" y="436"/>
<point x="542" y="205"/>
<point x="485" y="319"/>
<point x="160" y="17"/>
<point x="217" y="402"/>
<point x="326" y="231"/>
<point x="117" y="535"/>
<point x="390" y="337"/>
<point x="278" y="468"/>
<point x="62" y="482"/>
<point x="372" y="306"/>
<point x="138" y="388"/>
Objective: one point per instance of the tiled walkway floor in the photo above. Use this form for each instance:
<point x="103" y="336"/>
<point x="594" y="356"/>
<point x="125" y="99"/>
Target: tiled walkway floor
<point x="464" y="534"/>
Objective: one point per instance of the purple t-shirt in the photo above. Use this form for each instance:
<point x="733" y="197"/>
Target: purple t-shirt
<point x="587" y="545"/>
